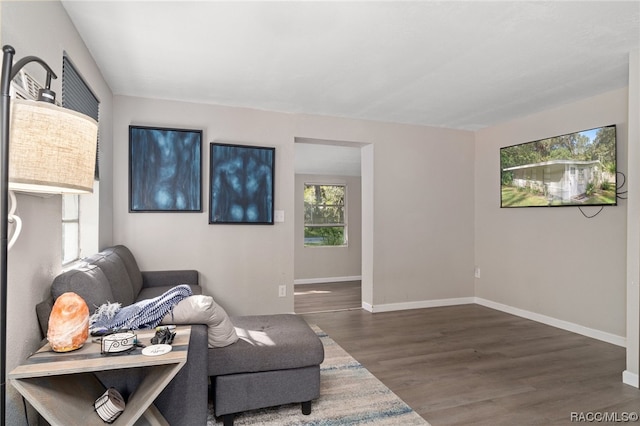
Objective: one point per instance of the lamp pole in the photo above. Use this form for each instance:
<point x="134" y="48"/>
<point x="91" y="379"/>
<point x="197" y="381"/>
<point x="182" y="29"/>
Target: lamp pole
<point x="9" y="71"/>
<point x="7" y="63"/>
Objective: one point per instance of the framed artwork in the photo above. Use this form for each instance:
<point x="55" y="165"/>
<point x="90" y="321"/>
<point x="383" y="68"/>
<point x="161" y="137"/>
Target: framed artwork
<point x="241" y="184"/>
<point x="165" y="170"/>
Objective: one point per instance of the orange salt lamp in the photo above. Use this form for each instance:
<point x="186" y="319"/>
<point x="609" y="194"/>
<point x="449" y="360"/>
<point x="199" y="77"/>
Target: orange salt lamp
<point x="68" y="323"/>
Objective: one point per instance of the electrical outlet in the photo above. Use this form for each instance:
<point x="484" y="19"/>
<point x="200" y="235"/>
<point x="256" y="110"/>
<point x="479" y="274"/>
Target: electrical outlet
<point x="477" y="272"/>
<point x="282" y="291"/>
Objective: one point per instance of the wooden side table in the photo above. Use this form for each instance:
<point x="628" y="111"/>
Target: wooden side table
<point x="63" y="388"/>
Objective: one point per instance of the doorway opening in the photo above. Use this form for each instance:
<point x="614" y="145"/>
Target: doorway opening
<point x="328" y="278"/>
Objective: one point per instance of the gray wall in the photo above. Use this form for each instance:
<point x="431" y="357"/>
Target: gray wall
<point x="423" y="229"/>
<point x="43" y="29"/>
<point x="422" y="216"/>
<point x="313" y="264"/>
<point x="553" y="261"/>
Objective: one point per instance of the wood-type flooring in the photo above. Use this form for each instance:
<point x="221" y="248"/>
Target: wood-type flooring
<point x="327" y="297"/>
<point x="472" y="365"/>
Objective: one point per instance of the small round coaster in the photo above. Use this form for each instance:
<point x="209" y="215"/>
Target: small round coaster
<point x="155" y="350"/>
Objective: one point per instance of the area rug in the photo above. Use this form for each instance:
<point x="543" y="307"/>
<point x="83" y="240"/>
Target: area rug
<point x="349" y="395"/>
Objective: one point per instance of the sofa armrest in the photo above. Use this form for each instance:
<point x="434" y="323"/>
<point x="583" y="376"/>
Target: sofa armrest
<point x="184" y="401"/>
<point x="43" y="311"/>
<point x="169" y="278"/>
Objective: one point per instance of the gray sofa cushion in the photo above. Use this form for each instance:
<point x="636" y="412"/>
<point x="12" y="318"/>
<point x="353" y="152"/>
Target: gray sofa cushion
<point x="130" y="263"/>
<point x="267" y="342"/>
<point x="116" y="272"/>
<point x="113" y="276"/>
<point x="151" y="292"/>
<point x="88" y="282"/>
<point x="169" y="278"/>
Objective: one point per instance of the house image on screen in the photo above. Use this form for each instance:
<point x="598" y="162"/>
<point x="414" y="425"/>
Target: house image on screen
<point x="559" y="180"/>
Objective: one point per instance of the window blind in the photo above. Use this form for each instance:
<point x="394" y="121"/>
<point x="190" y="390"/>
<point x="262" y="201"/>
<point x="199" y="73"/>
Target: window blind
<point x="77" y="96"/>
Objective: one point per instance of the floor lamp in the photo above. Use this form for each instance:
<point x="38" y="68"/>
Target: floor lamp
<point x="44" y="149"/>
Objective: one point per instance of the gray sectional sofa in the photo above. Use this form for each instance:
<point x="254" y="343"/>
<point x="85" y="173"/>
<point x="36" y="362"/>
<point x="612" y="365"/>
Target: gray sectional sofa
<point x="275" y="360"/>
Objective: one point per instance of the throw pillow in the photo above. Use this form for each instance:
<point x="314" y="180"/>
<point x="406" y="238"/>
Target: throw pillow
<point x="202" y="309"/>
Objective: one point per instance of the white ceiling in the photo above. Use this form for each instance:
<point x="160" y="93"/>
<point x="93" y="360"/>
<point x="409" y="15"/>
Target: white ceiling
<point x="324" y="159"/>
<point x="462" y="65"/>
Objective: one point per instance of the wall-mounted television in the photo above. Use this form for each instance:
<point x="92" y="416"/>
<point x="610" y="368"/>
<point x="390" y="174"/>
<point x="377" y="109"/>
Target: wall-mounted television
<point x="575" y="169"/>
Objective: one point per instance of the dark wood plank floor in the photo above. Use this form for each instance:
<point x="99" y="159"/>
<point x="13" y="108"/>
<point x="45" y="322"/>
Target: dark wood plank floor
<point x="327" y="297"/>
<point x="471" y="365"/>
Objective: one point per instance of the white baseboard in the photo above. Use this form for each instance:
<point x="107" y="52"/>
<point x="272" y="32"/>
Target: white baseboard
<point x="630" y="379"/>
<point x="326" y="280"/>
<point x="387" y="307"/>
<point x="564" y="325"/>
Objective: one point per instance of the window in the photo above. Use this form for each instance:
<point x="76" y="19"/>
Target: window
<point x="77" y="95"/>
<point x="70" y="228"/>
<point x="324" y="215"/>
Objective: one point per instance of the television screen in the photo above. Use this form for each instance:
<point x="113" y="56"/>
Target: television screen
<point x="576" y="169"/>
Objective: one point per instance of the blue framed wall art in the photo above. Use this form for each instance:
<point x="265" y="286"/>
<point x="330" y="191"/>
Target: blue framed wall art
<point x="165" y="169"/>
<point x="241" y="184"/>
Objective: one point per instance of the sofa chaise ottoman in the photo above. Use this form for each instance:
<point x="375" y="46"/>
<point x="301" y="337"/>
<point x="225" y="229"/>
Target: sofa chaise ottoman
<point x="275" y="361"/>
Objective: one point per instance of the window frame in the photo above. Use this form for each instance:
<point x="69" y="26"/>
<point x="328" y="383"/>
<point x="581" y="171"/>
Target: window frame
<point x="70" y="216"/>
<point x="344" y="225"/>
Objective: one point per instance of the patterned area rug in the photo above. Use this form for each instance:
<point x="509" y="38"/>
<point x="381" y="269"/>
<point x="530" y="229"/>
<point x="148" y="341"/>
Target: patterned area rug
<point x="349" y="395"/>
